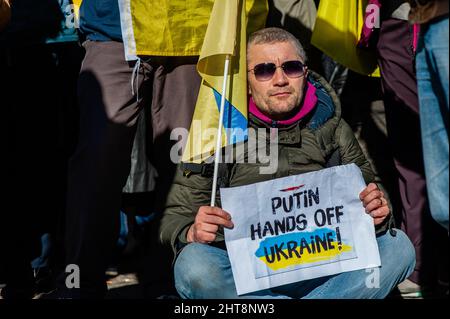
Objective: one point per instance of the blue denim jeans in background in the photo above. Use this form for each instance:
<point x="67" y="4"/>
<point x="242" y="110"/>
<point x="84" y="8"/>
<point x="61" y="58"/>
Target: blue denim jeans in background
<point x="432" y="78"/>
<point x="46" y="246"/>
<point x="204" y="272"/>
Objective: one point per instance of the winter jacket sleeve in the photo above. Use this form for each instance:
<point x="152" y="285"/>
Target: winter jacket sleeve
<point x="351" y="152"/>
<point x="188" y="193"/>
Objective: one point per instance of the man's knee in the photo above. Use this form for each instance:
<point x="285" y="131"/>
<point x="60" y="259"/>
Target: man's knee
<point x="194" y="271"/>
<point x="398" y="252"/>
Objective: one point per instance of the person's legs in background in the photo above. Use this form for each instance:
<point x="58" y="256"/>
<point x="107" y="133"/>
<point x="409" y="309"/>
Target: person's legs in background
<point x="176" y="84"/>
<point x="432" y="78"/>
<point x="99" y="168"/>
<point x="67" y="57"/>
<point x="28" y="100"/>
<point x="396" y="59"/>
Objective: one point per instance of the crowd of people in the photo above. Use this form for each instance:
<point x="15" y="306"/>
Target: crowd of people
<point x="92" y="96"/>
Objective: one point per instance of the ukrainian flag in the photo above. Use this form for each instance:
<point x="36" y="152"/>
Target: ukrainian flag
<point x="77" y="5"/>
<point x="225" y="36"/>
<point x="173" y="27"/>
<point x="337" y="31"/>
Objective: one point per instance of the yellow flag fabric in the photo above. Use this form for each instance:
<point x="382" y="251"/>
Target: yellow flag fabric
<point x="225" y="36"/>
<point x="77" y="5"/>
<point x="337" y="32"/>
<point x="173" y="27"/>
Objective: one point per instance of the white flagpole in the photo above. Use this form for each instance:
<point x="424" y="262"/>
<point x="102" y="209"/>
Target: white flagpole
<point x="219" y="130"/>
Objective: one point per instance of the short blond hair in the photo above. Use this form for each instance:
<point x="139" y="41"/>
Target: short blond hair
<point x="276" y="35"/>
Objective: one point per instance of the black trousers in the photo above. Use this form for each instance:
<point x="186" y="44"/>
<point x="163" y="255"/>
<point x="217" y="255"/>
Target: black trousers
<point x="38" y="98"/>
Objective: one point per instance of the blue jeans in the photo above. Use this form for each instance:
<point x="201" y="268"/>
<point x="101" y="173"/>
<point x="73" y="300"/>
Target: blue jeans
<point x="204" y="272"/>
<point x="46" y="246"/>
<point x="432" y="79"/>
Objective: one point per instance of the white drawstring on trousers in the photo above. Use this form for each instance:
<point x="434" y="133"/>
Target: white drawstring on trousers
<point x="135" y="76"/>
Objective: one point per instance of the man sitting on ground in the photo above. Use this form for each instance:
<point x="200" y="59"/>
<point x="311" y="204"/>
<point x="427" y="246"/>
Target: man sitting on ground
<point x="306" y="111"/>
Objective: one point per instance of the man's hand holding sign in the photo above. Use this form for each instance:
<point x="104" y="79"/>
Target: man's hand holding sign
<point x="375" y="203"/>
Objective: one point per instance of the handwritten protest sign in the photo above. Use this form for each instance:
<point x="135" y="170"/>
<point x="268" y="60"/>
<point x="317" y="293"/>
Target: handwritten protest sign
<point x="298" y="228"/>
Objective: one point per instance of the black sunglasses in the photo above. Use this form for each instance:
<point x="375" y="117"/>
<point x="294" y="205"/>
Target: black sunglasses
<point x="265" y="71"/>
